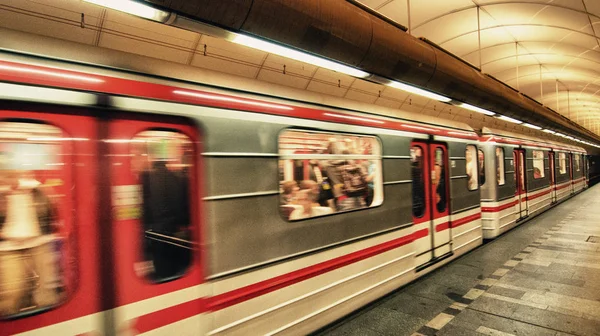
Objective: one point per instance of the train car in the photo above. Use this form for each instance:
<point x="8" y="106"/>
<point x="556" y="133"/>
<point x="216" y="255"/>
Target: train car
<point x="163" y="206"/>
<point x="524" y="176"/>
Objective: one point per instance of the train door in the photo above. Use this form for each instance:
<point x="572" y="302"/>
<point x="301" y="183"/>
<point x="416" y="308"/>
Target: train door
<point x="551" y="157"/>
<point x="521" y="185"/>
<point x="571" y="173"/>
<point x="49" y="253"/>
<point x="154" y="170"/>
<point x="430" y="189"/>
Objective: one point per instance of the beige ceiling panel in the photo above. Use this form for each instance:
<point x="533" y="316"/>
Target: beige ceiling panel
<point x="297" y="74"/>
<point x="449" y="27"/>
<point x="375" y="4"/>
<point x="330" y="82"/>
<point x="495" y="36"/>
<point x="131" y="34"/>
<point x="382" y="101"/>
<point x="422" y="11"/>
<point x="593" y="6"/>
<point x="490" y="53"/>
<point x="395" y="10"/>
<point x="534" y="14"/>
<point x="60" y="19"/>
<point x="228" y="57"/>
<point x="467" y="42"/>
<point x="364" y="91"/>
<point x="394" y="94"/>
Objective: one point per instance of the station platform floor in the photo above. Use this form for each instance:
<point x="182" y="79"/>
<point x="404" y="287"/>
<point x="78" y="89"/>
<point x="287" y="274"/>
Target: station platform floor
<point x="541" y="278"/>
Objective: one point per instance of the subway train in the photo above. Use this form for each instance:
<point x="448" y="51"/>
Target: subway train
<point x="136" y="204"/>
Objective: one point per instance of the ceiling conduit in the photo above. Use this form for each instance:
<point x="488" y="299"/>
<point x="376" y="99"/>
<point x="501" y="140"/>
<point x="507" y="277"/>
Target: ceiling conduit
<point x="341" y="31"/>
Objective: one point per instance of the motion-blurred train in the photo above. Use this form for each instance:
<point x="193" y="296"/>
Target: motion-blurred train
<point x="135" y="204"/>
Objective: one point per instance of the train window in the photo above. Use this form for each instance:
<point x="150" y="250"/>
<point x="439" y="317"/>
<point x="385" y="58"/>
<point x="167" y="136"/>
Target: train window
<point x="538" y="164"/>
<point x="471" y="167"/>
<point x="35" y="244"/>
<point x="325" y="173"/>
<point x="418" y="182"/>
<point x="481" y="158"/>
<point x="163" y="161"/>
<point x="577" y="162"/>
<point x="500" y="175"/>
<point x="562" y="163"/>
<point x="438" y="179"/>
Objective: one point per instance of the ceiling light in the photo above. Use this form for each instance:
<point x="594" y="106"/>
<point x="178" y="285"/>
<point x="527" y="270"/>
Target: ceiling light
<point x="549" y="131"/>
<point x="476" y="109"/>
<point x="134" y="8"/>
<point x="509" y="119"/>
<point x="297" y="55"/>
<point x="417" y="91"/>
<point x="532" y="126"/>
<point x="231" y="100"/>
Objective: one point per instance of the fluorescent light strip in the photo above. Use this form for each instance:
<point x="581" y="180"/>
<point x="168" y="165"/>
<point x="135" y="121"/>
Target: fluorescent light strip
<point x="354" y="118"/>
<point x="549" y="131"/>
<point x="56" y="139"/>
<point x="49" y="73"/>
<point x="509" y="119"/>
<point x="532" y="126"/>
<point x="476" y="109"/>
<point x="134" y="8"/>
<point x="232" y="100"/>
<point x="417" y="91"/>
<point x="297" y="55"/>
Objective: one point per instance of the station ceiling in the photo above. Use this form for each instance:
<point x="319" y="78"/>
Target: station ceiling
<point x="546" y="49"/>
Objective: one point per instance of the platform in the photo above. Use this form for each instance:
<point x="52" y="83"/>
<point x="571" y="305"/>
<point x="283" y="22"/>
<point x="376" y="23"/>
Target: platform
<point x="541" y="278"/>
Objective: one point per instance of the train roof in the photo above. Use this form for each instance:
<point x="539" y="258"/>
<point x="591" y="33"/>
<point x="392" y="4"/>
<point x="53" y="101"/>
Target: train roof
<point x="503" y="136"/>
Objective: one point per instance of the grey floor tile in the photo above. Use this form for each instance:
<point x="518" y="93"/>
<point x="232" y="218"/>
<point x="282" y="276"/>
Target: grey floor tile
<point x="417" y="306"/>
<point x="454" y="330"/>
<point x="512" y="293"/>
<point x="391" y="322"/>
<point x="557" y="321"/>
<point x="494" y="306"/>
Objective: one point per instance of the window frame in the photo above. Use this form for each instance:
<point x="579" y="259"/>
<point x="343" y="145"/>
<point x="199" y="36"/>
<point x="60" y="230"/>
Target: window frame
<point x="534" y="160"/>
<point x="148" y="277"/>
<point x="476" y="160"/>
<point x="379" y="168"/>
<point x="498" y="162"/>
<point x="564" y="159"/>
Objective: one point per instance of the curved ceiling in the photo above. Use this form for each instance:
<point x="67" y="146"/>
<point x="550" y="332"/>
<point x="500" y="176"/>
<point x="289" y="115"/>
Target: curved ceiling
<point x="547" y="49"/>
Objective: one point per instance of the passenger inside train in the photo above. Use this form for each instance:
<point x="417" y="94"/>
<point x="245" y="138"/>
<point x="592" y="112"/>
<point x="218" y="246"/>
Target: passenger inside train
<point x="31" y="275"/>
<point x="164" y="178"/>
<point x="335" y="172"/>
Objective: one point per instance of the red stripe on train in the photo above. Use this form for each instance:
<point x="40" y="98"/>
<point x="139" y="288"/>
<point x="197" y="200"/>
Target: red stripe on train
<point x="466" y="220"/>
<point x="500" y="207"/>
<point x="188" y="309"/>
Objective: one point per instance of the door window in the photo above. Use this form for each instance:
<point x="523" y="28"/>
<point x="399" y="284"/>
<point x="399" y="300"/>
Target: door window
<point x="471" y="167"/>
<point x="500" y="175"/>
<point x="438" y="179"/>
<point x="418" y="181"/>
<point x="163" y="162"/>
<point x="36" y="240"/>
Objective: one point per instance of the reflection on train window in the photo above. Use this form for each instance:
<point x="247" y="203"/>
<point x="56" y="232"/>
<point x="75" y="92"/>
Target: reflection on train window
<point x="418" y="182"/>
<point x="500" y="175"/>
<point x="481" y="160"/>
<point x="438" y="179"/>
<point x="325" y="173"/>
<point x="471" y="167"/>
<point x="577" y="162"/>
<point x="538" y="164"/>
<point x="562" y="163"/>
<point x="163" y="162"/>
<point x="35" y="248"/>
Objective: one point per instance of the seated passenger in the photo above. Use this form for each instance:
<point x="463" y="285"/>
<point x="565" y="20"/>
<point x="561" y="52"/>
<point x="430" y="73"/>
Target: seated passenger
<point x="307" y="210"/>
<point x="288" y="192"/>
<point x="314" y="190"/>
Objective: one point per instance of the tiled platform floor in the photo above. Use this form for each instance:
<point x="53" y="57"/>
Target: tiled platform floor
<point x="541" y="278"/>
